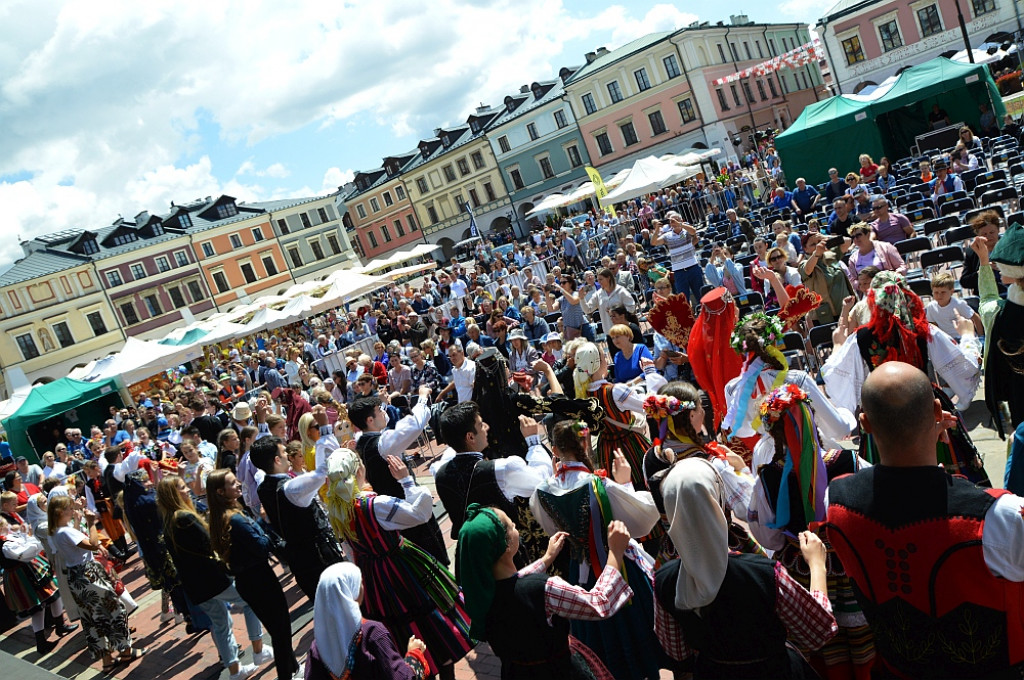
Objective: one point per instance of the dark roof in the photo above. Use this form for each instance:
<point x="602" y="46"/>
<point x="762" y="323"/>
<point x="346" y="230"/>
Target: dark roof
<point x="39" y="264"/>
<point x="549" y="91"/>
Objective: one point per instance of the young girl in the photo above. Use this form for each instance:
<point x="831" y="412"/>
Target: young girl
<point x="103" y="614"/>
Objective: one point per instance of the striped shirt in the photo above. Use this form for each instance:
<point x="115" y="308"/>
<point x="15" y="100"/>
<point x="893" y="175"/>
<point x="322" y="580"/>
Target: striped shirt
<point x="680" y="249"/>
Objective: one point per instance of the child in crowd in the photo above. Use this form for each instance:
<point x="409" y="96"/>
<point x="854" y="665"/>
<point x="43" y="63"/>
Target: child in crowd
<point x="943" y="308"/>
<point x="782" y="241"/>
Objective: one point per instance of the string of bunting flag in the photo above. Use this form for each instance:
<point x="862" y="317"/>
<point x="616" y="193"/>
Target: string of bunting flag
<point x="795" y="58"/>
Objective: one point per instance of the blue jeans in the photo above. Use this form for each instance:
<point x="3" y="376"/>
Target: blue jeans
<point x="688" y="281"/>
<point x="223" y="637"/>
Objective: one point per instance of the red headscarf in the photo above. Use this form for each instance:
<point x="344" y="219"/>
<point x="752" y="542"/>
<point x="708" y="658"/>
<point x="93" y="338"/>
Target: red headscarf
<point x="713" y="360"/>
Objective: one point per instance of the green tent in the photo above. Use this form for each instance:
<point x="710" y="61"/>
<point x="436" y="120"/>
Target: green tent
<point x="833" y="134"/>
<point x="32" y="425"/>
<point x="824" y="136"/>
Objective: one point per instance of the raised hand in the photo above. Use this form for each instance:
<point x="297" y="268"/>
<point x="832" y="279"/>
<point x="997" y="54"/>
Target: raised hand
<point x="621" y="470"/>
<point x="528" y="426"/>
<point x="399" y="470"/>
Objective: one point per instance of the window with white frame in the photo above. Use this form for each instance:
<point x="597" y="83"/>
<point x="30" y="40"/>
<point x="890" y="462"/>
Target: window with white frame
<point x="671" y="66"/>
<point x="889" y="34"/>
<point x="138" y="271"/>
<point x="588" y="103"/>
<point x="236" y="241"/>
<point x="374" y="204"/>
<point x="181" y="258"/>
<point x="560" y="120"/>
<point x="544" y="162"/>
<point x="399" y="192"/>
<point x="361" y="211"/>
<point x="257" y="234"/>
<point x="114" y="278"/>
<point x="614" y="91"/>
<point x="929" y="20"/>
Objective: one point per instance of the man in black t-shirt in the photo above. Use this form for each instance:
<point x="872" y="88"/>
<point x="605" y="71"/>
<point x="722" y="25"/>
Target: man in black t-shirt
<point x="209" y="426"/>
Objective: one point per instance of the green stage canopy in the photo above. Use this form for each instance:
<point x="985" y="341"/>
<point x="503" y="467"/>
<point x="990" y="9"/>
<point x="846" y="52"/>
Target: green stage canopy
<point x="90" y="400"/>
<point x="834" y="133"/>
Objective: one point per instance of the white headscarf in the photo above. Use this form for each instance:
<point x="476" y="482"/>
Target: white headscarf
<point x="35" y="516"/>
<point x="336" y="615"/>
<point x="588" y="363"/>
<point x="698" y="529"/>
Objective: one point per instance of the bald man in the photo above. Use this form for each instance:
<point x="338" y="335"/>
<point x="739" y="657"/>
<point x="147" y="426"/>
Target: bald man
<point x="937" y="563"/>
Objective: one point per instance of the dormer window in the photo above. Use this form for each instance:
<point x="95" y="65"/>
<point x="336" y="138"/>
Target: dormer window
<point x="225" y="210"/>
<point x="474" y="125"/>
<point x="157" y="229"/>
<point x="445" y="141"/>
<point x="90" y="247"/>
<point x="122" y="239"/>
<point x="391" y="169"/>
<point x="184" y="220"/>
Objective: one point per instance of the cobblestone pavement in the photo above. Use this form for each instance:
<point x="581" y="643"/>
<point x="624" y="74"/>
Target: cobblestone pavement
<point x="174" y="654"/>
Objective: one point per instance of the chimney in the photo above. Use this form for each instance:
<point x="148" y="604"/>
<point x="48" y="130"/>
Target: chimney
<point x="482" y="109"/>
<point x="523" y="89"/>
<point x="601" y="51"/>
<point x="590" y="57"/>
<point x="437" y="132"/>
<point x="739" y="20"/>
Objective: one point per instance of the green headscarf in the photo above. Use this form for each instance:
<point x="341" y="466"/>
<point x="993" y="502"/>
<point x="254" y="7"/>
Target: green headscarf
<point x="482" y="540"/>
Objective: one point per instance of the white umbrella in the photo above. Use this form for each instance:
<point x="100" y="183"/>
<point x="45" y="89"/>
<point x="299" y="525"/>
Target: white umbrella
<point x="347" y="286"/>
<point x="549" y="202"/>
<point x="647" y="175"/>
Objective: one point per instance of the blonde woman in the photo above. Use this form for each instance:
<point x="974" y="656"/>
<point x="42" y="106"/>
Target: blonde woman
<point x="625" y="423"/>
<point x="404" y="587"/>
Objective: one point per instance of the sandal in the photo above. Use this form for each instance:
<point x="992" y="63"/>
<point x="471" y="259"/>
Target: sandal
<point x="109" y="667"/>
<point x="136" y="653"/>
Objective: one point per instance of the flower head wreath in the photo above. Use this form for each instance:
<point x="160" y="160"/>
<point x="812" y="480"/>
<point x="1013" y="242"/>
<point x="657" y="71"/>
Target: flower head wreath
<point x="662" y="408"/>
<point x="778" y="401"/>
<point x="771" y="334"/>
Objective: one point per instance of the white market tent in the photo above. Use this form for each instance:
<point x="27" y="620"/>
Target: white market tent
<point x="138" y="360"/>
<point x="648" y="175"/>
<point x="345" y="286"/>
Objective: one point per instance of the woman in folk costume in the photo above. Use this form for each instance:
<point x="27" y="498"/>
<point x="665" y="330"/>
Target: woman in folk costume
<point x="732" y="611"/>
<point x="348" y="647"/>
<point x="29" y="585"/>
<point x="406" y="589"/>
<point x="758" y="338"/>
<point x="582" y="502"/>
<point x="625" y="428"/>
<point x="788" y="497"/>
<point x="679" y="412"/>
<point x="525" y="614"/>
<point x="713" y="361"/>
<point x="899" y="331"/>
<point x="1004" y="335"/>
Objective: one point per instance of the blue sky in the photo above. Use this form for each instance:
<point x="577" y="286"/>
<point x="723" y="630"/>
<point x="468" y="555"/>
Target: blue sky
<point x="111" y="108"/>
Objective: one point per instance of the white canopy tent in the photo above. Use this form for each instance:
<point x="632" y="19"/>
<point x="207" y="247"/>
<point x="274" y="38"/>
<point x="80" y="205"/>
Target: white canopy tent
<point x="348" y="285"/>
<point x="138" y="360"/>
<point x="648" y="175"/>
<point x="264" y="319"/>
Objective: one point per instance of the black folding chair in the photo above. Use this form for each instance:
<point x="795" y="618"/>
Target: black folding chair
<point x="949" y="256"/>
<point x="820" y="339"/>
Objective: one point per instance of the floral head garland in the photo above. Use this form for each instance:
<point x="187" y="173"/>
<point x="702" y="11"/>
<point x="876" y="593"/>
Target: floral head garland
<point x="780" y="400"/>
<point x="582" y="431"/>
<point x="771" y="334"/>
<point x="661" y="408"/>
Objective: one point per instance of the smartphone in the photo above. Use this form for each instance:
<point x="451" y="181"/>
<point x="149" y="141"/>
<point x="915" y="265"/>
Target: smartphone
<point x="834" y="242"/>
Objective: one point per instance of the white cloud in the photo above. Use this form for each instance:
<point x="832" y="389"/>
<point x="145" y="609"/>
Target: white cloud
<point x="804" y="10"/>
<point x="336" y="177"/>
<point x="106" y="104"/>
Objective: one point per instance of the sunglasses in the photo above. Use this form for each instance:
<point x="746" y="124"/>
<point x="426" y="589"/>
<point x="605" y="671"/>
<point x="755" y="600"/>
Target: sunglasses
<point x="776" y="258"/>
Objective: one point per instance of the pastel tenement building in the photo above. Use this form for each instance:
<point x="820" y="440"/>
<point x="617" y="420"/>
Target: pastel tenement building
<point x="454" y="168"/>
<point x="78" y="294"/>
<point x="311" y="236"/>
<point x="379" y="208"/>
<point x="867" y="41"/>
<point x="538" y="145"/>
<point x="656" y="95"/>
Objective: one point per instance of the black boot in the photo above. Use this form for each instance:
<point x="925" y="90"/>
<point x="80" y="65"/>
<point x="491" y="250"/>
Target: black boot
<point x="43" y="646"/>
<point x="62" y="627"/>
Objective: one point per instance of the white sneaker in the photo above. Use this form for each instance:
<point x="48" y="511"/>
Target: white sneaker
<point x="243" y="672"/>
<point x="301" y="673"/>
<point x="178" y="618"/>
<point x="266" y="654"/>
<point x="166" y="616"/>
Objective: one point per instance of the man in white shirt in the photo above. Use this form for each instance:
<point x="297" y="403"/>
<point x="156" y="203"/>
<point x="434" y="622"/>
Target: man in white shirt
<point x="608" y="295"/>
<point x="463" y="375"/>
<point x="375" y="444"/>
<point x="464" y="477"/>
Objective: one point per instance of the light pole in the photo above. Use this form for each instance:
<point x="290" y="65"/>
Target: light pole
<point x="963" y="30"/>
